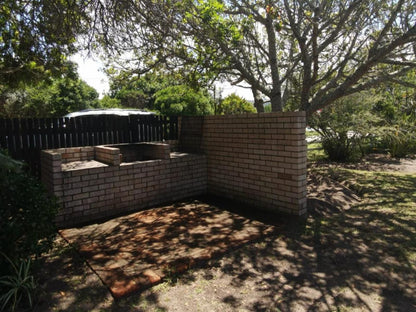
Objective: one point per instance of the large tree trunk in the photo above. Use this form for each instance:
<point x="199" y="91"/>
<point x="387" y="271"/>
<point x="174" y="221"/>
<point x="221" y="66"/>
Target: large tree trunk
<point x="258" y="101"/>
<point x="276" y="100"/>
<point x="276" y="93"/>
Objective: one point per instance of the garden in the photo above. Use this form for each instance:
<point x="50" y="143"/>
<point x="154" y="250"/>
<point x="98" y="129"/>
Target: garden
<point x="345" y="66"/>
<point x="354" y="251"/>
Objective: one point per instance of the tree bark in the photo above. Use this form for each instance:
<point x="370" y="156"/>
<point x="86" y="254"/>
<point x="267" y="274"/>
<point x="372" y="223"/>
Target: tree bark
<point x="276" y="93"/>
<point x="258" y="101"/>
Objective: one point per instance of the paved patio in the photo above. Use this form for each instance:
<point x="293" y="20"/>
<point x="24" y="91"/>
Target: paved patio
<point x="136" y="251"/>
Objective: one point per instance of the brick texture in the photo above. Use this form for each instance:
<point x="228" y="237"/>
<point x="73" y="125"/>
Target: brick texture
<point x="259" y="159"/>
<point x="94" y="193"/>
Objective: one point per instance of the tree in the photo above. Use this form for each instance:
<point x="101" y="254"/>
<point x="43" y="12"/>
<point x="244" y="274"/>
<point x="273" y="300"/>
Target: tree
<point x="36" y="36"/>
<point x="135" y="91"/>
<point x="397" y="107"/>
<point x="310" y="52"/>
<point x="54" y="97"/>
<point x="181" y="100"/>
<point x="233" y="104"/>
<point x="11" y="103"/>
<point x="109" y="102"/>
<point x="69" y="95"/>
<point x="384" y="117"/>
<point x="398" y="99"/>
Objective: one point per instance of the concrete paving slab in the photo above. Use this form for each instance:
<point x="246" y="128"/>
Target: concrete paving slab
<point x="133" y="252"/>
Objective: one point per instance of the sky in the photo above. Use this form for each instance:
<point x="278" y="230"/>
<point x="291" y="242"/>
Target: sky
<point x="90" y="69"/>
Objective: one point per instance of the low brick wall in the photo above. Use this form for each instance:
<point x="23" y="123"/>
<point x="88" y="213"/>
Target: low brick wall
<point x="51" y="165"/>
<point x="97" y="191"/>
<point x="108" y="155"/>
<point x="259" y="159"/>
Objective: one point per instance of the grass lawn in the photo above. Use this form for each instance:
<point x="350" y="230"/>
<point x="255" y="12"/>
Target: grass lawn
<point x="350" y="254"/>
<point x="389" y="206"/>
<point x="374" y="242"/>
<point x="315" y="152"/>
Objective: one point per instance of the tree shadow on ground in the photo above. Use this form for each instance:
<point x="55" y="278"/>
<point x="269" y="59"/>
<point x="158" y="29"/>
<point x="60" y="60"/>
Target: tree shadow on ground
<point x="362" y="257"/>
<point x="134" y="252"/>
<point x="336" y="259"/>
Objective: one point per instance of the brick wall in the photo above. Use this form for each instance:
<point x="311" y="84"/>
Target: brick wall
<point x="51" y="171"/>
<point x="52" y="160"/>
<point x="259" y="159"/>
<point x="94" y="193"/>
<point x="191" y="134"/>
<point x="108" y="155"/>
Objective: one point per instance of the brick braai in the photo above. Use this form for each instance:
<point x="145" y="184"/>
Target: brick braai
<point x="91" y="190"/>
<point x="258" y="159"/>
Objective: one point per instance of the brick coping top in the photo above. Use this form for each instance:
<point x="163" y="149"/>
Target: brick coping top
<point x="90" y="164"/>
<point x="82" y="165"/>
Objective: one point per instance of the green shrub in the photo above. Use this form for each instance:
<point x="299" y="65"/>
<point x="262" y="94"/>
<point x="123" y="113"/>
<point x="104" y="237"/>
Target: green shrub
<point x="397" y="107"/>
<point x="399" y="141"/>
<point x="182" y="100"/>
<point x="346" y="127"/>
<point x="234" y="104"/>
<point x="27" y="214"/>
<point x="18" y="285"/>
<point x="339" y="147"/>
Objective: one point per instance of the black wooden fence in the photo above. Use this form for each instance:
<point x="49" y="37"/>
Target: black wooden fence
<point x="25" y="138"/>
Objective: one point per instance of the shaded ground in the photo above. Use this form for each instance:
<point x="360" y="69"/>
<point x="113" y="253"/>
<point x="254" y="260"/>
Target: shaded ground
<point x="132" y="252"/>
<point x="375" y="162"/>
<point x="356" y="251"/>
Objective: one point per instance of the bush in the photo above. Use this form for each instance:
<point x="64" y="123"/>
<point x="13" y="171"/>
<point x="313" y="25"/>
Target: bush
<point x="339" y="147"/>
<point x="233" y="104"/>
<point x="399" y="141"/>
<point x="347" y="127"/>
<point x="397" y="107"/>
<point x="182" y="100"/>
<point x="27" y="215"/>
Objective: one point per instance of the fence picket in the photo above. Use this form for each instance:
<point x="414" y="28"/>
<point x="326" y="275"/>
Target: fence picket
<point x="25" y="138"/>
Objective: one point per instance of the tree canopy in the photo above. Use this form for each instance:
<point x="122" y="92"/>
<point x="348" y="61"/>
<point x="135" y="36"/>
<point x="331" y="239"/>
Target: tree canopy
<point x="294" y="54"/>
<point x="134" y="91"/>
<point x="233" y="104"/>
<point x="297" y="54"/>
<point x="51" y="98"/>
<point x="182" y="100"/>
<point x="36" y="36"/>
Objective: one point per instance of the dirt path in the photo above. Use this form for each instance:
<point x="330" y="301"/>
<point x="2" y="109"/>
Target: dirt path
<point x="327" y="262"/>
